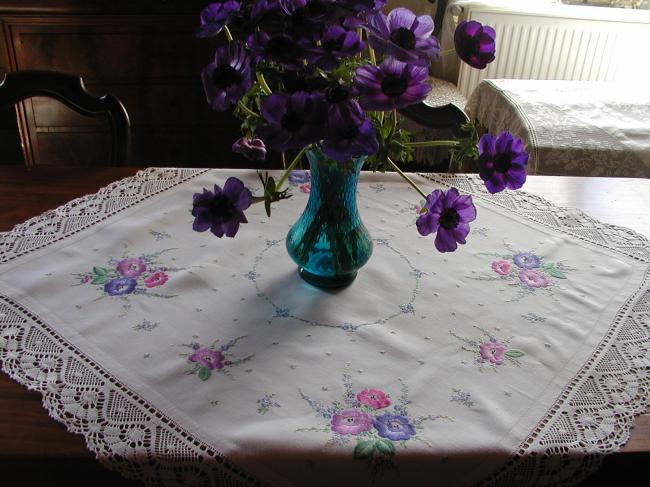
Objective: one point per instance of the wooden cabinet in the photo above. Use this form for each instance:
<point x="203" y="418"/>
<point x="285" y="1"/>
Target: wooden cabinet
<point x="143" y="52"/>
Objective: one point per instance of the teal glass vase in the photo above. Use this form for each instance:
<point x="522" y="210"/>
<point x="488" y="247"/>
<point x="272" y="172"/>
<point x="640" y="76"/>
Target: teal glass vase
<point x="329" y="242"/>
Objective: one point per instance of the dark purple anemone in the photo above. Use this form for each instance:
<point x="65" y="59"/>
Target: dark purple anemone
<point x="475" y="43"/>
<point x="228" y="78"/>
<point x="335" y="44"/>
<point x="262" y="7"/>
<point x="502" y="162"/>
<point x="349" y="136"/>
<point x="251" y="149"/>
<point x="448" y="215"/>
<point x="216" y="15"/>
<point x="404" y="36"/>
<point x="221" y="211"/>
<point x="281" y="48"/>
<point x="393" y="84"/>
<point x="292" y="122"/>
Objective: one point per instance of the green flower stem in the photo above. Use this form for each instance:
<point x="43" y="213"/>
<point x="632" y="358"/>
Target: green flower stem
<point x="248" y="110"/>
<point x="284" y="177"/>
<point x="432" y="143"/>
<point x="257" y="199"/>
<point x="226" y="31"/>
<point x="447" y="52"/>
<point x="262" y="81"/>
<point x="406" y="178"/>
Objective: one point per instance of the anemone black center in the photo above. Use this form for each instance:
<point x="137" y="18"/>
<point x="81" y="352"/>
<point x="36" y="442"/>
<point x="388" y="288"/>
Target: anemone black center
<point x="316" y="8"/>
<point x="468" y="46"/>
<point x="502" y="163"/>
<point x="225" y="76"/>
<point x="350" y="132"/>
<point x="292" y="122"/>
<point x="333" y="44"/>
<point x="449" y="218"/>
<point x="281" y="47"/>
<point x="393" y="85"/>
<point x="403" y="37"/>
<point x="337" y="94"/>
<point x="222" y="206"/>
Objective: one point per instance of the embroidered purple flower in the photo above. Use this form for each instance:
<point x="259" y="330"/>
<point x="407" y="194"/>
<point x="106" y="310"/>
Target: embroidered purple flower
<point x="156" y="279"/>
<point x="206" y="357"/>
<point x="448" y="215"/>
<point x="404" y="36"/>
<point x="251" y="149"/>
<point x="501" y="267"/>
<point x="351" y="422"/>
<point x="526" y="260"/>
<point x="475" y="43"/>
<point x="229" y="77"/>
<point x="394" y="427"/>
<point x="346" y="138"/>
<point x="493" y="351"/>
<point x="502" y="162"/>
<point x="221" y="211"/>
<point x="293" y="122"/>
<point x="533" y="278"/>
<point x="374" y="398"/>
<point x="215" y="16"/>
<point x="393" y="84"/>
<point x="130" y="267"/>
<point x="120" y="286"/>
<point x="298" y="176"/>
<point x="305" y="188"/>
<point x="335" y="44"/>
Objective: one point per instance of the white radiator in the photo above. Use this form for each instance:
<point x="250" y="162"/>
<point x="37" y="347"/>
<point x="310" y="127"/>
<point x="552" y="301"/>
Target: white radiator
<point x="562" y="42"/>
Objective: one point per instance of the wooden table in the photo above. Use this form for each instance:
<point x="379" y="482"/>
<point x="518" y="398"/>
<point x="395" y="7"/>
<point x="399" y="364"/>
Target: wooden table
<point x="35" y="450"/>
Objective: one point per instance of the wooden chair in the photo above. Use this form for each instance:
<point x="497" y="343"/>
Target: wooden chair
<point x="70" y="90"/>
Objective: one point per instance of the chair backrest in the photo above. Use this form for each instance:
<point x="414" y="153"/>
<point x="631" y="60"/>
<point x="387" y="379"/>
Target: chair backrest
<point x="70" y="90"/>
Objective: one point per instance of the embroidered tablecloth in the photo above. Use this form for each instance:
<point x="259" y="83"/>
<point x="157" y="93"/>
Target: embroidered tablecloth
<point x="188" y="360"/>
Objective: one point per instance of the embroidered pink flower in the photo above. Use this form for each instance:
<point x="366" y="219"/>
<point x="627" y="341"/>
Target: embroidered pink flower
<point x="206" y="357"/>
<point x="501" y="267"/>
<point x="156" y="279"/>
<point x="533" y="278"/>
<point x="493" y="352"/>
<point x="373" y="398"/>
<point x="305" y="187"/>
<point x="130" y="267"/>
<point x="351" y="422"/>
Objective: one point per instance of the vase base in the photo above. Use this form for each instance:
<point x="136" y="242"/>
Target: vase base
<point x="329" y="282"/>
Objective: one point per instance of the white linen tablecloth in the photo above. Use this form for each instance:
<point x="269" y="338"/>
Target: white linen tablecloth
<point x="576" y="128"/>
<point x="188" y="360"/>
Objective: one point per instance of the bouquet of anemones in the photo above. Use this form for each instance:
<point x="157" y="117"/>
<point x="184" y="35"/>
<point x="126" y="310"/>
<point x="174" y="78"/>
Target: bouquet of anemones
<point x="332" y="74"/>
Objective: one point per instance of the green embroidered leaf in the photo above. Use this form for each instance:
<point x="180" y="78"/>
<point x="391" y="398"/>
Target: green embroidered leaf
<point x="364" y="449"/>
<point x="556" y="273"/>
<point x="99" y="279"/>
<point x="514" y="353"/>
<point x="204" y="373"/>
<point x="100" y="271"/>
<point x="385" y="447"/>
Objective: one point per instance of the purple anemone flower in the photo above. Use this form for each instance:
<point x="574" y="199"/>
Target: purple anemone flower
<point x="502" y="162"/>
<point x="120" y="286"/>
<point x="228" y="78"/>
<point x="292" y="122"/>
<point x="215" y="16"/>
<point x="335" y="44"/>
<point x="262" y="7"/>
<point x="221" y="211"/>
<point x="404" y="36"/>
<point x="251" y="149"/>
<point x="394" y="427"/>
<point x="349" y="136"/>
<point x="475" y="43"/>
<point x="448" y="216"/>
<point x="392" y="85"/>
<point x="281" y="48"/>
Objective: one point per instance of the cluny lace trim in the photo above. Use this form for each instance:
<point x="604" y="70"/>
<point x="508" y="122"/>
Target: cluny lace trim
<point x="595" y="412"/>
